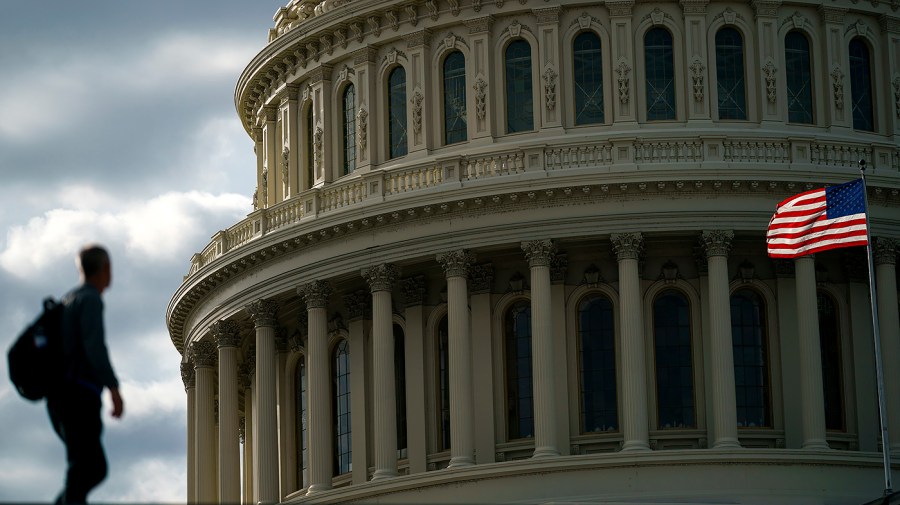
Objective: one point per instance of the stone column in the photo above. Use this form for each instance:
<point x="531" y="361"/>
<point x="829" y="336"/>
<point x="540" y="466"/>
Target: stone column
<point x="837" y="105"/>
<point x="811" y="393"/>
<point x="315" y="294"/>
<point x="259" y="197"/>
<point x="417" y="75"/>
<point x="622" y="64"/>
<point x="769" y="73"/>
<point x="381" y="279"/>
<point x="697" y="80"/>
<point x="885" y="256"/>
<point x="482" y="123"/>
<point x="365" y="62"/>
<point x="188" y="377"/>
<point x="204" y="355"/>
<point x="290" y="153"/>
<point x="716" y="244"/>
<point x="635" y="428"/>
<point x="538" y="253"/>
<point x="286" y="429"/>
<point x="456" y="266"/>
<point x="270" y="156"/>
<point x="413" y="293"/>
<point x="246" y="373"/>
<point x="263" y="313"/>
<point x="228" y="339"/>
<point x="324" y="166"/>
<point x="481" y="278"/>
<point x="549" y="69"/>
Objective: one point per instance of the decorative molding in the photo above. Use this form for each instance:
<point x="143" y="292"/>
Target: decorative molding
<point x="281" y="339"/>
<point x="247" y="369"/>
<point x="481" y="98"/>
<point x="362" y="127"/>
<point x="832" y="14"/>
<point x="514" y="28"/>
<point x="392" y="19"/>
<point x="694" y="6"/>
<point x="890" y="24"/>
<point x="769" y="71"/>
<point x="416" y="102"/>
<point x="326" y="44"/>
<point x="203" y="354"/>
<point x="798" y="20"/>
<point x="412" y="13"/>
<point x="766" y="8"/>
<point x="358" y="304"/>
<point x="357" y="29"/>
<point x="716" y="242"/>
<point x="315" y="294"/>
<point x="861" y="28"/>
<point x="263" y="312"/>
<point x="591" y="276"/>
<point x="627" y="246"/>
<point x="380" y="277"/>
<point x="226" y="333"/>
<point x="375" y="24"/>
<point x="517" y="284"/>
<point x="479" y="25"/>
<point x="285" y="166"/>
<point x="340" y="35"/>
<point x="476" y="5"/>
<point x="668" y="272"/>
<point x="454" y="7"/>
<point x="885" y="251"/>
<point x="729" y="16"/>
<point x="550" y="76"/>
<point x="450" y="41"/>
<point x="188" y="377"/>
<point x="538" y="253"/>
<point x="318" y="140"/>
<point x="548" y="15"/>
<point x="336" y="324"/>
<point x="482" y="277"/>
<point x="896" y="85"/>
<point x="432" y="7"/>
<point x="697" y="70"/>
<point x="584" y="21"/>
<point x="656" y="17"/>
<point x="412" y="290"/>
<point x="456" y="263"/>
<point x="559" y="266"/>
<point x="622" y="71"/>
<point x="837" y="86"/>
<point x="620" y="8"/>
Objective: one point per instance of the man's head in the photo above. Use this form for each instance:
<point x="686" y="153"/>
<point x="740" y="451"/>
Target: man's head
<point x="93" y="261"/>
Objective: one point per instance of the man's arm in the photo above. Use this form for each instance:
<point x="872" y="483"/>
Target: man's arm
<point x="94" y="343"/>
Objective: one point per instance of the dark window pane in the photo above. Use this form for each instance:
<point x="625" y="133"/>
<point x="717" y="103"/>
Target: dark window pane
<point x="588" y="72"/>
<point x="596" y="337"/>
<point x="519" y="97"/>
<point x="674" y="361"/>
<point x="349" y="129"/>
<point x="302" y="443"/>
<point x="397" y="113"/>
<point x="751" y="365"/>
<point x="730" y="74"/>
<point x="861" y="86"/>
<point x="400" y="384"/>
<point x="798" y="75"/>
<point x="832" y="373"/>
<point x="341" y="410"/>
<point x="660" y="67"/>
<point x="310" y="159"/>
<point x="454" y="98"/>
<point x="444" y="379"/>
<point x="520" y="412"/>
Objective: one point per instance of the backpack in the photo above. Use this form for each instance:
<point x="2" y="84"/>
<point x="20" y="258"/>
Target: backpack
<point x="36" y="357"/>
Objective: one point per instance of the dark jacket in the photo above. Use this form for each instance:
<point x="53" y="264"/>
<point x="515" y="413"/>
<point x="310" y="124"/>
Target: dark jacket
<point x="84" y="344"/>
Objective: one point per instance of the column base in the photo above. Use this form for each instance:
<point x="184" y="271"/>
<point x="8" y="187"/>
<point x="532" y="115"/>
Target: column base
<point x="545" y="452"/>
<point x="317" y="488"/>
<point x="815" y="445"/>
<point x="461" y="462"/>
<point x="635" y="446"/>
<point x="383" y="474"/>
<point x="726" y="443"/>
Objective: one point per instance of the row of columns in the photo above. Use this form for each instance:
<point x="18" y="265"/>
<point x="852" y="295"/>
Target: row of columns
<point x="214" y="470"/>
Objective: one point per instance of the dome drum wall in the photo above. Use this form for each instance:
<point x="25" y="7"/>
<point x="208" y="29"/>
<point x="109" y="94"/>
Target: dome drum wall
<point x="549" y="221"/>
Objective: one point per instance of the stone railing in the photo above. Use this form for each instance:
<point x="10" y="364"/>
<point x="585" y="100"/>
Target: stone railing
<point x="607" y="155"/>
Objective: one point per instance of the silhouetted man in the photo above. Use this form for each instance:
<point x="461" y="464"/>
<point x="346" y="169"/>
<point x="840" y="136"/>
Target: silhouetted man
<point x="75" y="407"/>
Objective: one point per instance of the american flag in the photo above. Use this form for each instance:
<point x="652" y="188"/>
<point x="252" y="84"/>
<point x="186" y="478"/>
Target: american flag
<point x="818" y="220"/>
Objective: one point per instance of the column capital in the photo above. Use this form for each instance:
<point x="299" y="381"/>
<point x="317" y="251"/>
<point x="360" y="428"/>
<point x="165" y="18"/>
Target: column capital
<point x="482" y="278"/>
<point x="413" y="290"/>
<point x="226" y="333"/>
<point x="539" y="253"/>
<point x="627" y="246"/>
<point x="263" y="312"/>
<point x="479" y="25"/>
<point x="380" y="277"/>
<point x="833" y="14"/>
<point x="620" y="8"/>
<point x="716" y="242"/>
<point x="359" y="305"/>
<point x="187" y="375"/>
<point x="203" y="353"/>
<point x="694" y="6"/>
<point x="766" y="7"/>
<point x="885" y="251"/>
<point x="315" y="294"/>
<point x="456" y="263"/>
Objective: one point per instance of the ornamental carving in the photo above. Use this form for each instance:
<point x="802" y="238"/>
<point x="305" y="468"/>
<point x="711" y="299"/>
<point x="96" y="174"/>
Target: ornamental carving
<point x="392" y="20"/>
<point x="362" y="127"/>
<point x="514" y="29"/>
<point x="247" y="370"/>
<point x="896" y="83"/>
<point x="454" y="7"/>
<point x="627" y="246"/>
<point x="380" y="277"/>
<point x="657" y="16"/>
<point x="769" y="72"/>
<point x="716" y="242"/>
<point x="432" y="7"/>
<point x="412" y="14"/>
<point x="326" y="43"/>
<point x="315" y="294"/>
<point x="341" y="37"/>
<point x="203" y="354"/>
<point x="559" y="266"/>
<point x="584" y="21"/>
<point x="538" y="253"/>
<point x="318" y="139"/>
<point x="799" y="20"/>
<point x="697" y="69"/>
<point x="618" y="8"/>
<point x="456" y="263"/>
<point x="226" y="333"/>
<point x="375" y="24"/>
<point x="188" y="377"/>
<point x="265" y="185"/>
<point x="357" y="30"/>
<point x="412" y="290"/>
<point x="476" y="5"/>
<point x="416" y="101"/>
<point x="263" y="312"/>
<point x="479" y="25"/>
<point x="450" y="41"/>
<point x="622" y="71"/>
<point x="482" y="277"/>
<point x="499" y="3"/>
<point x="729" y="16"/>
<point x="359" y="305"/>
<point x="550" y="76"/>
<point x="837" y="86"/>
<point x="481" y="98"/>
<point x="885" y="251"/>
<point x="255" y="198"/>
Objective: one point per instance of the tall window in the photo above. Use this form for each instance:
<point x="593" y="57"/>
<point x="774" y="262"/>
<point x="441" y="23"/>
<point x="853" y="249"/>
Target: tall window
<point x="588" y="73"/>
<point x="730" y="84"/>
<point x="343" y="450"/>
<point x="400" y="385"/>
<point x="861" y="86"/>
<point x="349" y="127"/>
<point x="597" y="359"/>
<point x="443" y="342"/>
<point x="310" y="155"/>
<point x="830" y="342"/>
<point x="519" y="97"/>
<point x="455" y="98"/>
<point x="674" y="360"/>
<point x="660" y="68"/>
<point x="798" y="74"/>
<point x="751" y="359"/>
<point x="397" y="113"/>
<point x="519" y="396"/>
<point x="302" y="441"/>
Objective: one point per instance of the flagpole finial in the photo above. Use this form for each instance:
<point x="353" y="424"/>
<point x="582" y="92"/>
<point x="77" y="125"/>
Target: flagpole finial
<point x="862" y="165"/>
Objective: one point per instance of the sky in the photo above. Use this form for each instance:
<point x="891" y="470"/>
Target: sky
<point x="117" y="126"/>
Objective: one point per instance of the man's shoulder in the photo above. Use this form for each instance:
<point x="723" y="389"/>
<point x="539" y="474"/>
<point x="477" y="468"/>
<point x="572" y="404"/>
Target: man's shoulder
<point x="82" y="294"/>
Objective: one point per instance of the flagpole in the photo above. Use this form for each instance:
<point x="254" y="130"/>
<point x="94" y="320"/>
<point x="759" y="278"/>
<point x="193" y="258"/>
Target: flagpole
<point x="879" y="366"/>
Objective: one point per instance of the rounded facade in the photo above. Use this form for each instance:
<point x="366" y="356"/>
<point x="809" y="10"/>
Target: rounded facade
<point x="494" y="241"/>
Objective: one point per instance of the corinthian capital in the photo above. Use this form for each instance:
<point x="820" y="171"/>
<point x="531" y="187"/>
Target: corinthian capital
<point x="716" y="242"/>
<point x="187" y="375"/>
<point x="380" y="277"/>
<point x="203" y="353"/>
<point x="539" y="253"/>
<point x="315" y="294"/>
<point x="456" y="263"/>
<point x="885" y="251"/>
<point x="263" y="312"/>
<point x="226" y="333"/>
<point x="627" y="246"/>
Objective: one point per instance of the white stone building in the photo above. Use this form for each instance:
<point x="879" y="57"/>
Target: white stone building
<point x="513" y="251"/>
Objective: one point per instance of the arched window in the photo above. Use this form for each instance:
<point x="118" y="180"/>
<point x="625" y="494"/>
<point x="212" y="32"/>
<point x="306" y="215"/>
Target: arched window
<point x="397" y="113"/>
<point x="674" y="360"/>
<point x="443" y="399"/>
<point x="751" y="359"/>
<point x="597" y="360"/>
<point x="588" y="72"/>
<point x="832" y="374"/>
<point x="455" y="98"/>
<point x="343" y="449"/>
<point x="861" y="86"/>
<point x="302" y="440"/>
<point x="798" y="75"/>
<point x="400" y="386"/>
<point x="519" y="396"/>
<point x="730" y="84"/>
<point x="660" y="67"/>
<point x="310" y="155"/>
<point x="349" y="129"/>
<point x="519" y="97"/>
